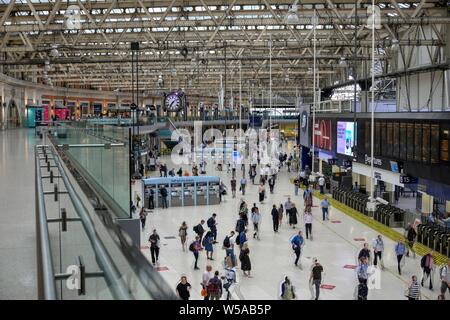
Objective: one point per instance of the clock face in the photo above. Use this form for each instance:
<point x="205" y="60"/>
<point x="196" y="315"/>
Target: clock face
<point x="173" y="102"/>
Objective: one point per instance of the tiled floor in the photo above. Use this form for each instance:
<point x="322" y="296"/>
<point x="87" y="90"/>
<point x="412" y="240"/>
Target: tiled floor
<point x="272" y="256"/>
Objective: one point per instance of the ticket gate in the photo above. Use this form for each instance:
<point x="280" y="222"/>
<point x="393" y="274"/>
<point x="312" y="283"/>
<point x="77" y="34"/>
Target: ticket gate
<point x="176" y="195"/>
<point x="189" y="194"/>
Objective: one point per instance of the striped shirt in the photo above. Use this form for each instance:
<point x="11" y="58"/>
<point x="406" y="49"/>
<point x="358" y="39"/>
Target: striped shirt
<point x="414" y="291"/>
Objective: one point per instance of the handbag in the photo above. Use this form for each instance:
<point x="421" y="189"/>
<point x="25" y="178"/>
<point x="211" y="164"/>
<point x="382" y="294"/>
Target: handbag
<point x="203" y="293"/>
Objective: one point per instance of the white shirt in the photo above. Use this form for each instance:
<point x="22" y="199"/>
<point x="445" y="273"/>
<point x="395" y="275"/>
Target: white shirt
<point x="307" y="218"/>
<point x="321" y="181"/>
<point x="206" y="277"/>
<point x="256" y="217"/>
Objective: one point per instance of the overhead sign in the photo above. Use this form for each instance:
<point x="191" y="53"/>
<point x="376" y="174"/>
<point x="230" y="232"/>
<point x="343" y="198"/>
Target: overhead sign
<point x="407" y="179"/>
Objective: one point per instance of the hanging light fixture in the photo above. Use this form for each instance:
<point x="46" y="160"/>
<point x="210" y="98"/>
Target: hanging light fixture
<point x="54" y="53"/>
<point x="292" y="14"/>
<point x="394" y="44"/>
<point x="343" y="62"/>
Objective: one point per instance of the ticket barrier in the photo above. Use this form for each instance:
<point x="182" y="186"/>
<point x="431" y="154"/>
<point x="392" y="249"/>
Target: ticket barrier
<point x="183" y="191"/>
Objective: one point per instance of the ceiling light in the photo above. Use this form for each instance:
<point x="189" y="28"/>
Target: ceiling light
<point x="394" y="44"/>
<point x="343" y="62"/>
<point x="292" y="15"/>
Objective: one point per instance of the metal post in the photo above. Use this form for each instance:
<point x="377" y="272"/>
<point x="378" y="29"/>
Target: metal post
<point x="372" y="186"/>
<point x="314" y="89"/>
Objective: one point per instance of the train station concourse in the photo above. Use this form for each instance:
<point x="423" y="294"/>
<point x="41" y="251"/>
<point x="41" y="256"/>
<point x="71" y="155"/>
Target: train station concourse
<point x="245" y="151"/>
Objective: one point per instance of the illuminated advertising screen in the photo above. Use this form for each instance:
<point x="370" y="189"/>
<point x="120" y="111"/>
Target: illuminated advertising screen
<point x="322" y="134"/>
<point x="345" y="137"/>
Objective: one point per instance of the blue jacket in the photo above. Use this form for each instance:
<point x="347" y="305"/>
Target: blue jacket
<point x="242" y="237"/>
<point x="400" y="249"/>
<point x="297" y="241"/>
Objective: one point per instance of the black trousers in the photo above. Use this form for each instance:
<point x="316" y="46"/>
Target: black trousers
<point x="275" y="224"/>
<point x="196" y="259"/>
<point x="308" y="227"/>
<point x="399" y="259"/>
<point x="376" y="256"/>
<point x="297" y="254"/>
<point x="155" y="253"/>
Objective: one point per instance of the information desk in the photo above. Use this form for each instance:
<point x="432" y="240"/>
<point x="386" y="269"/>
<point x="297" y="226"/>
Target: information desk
<point x="182" y="191"/>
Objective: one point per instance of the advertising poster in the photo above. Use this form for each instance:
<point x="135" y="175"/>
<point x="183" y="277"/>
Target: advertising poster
<point x="304" y="127"/>
<point x="322" y="134"/>
<point x="345" y="137"/>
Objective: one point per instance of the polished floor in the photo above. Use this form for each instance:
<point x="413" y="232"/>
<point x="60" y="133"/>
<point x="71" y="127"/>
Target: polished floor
<point x="272" y="257"/>
<point x="336" y="244"/>
<point x="17" y="219"/>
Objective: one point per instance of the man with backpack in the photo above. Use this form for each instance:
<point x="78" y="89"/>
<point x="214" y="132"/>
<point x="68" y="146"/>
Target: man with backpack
<point x="411" y="235"/>
<point x="444" y="273"/>
<point x="199" y="230"/>
<point x="195" y="247"/>
<point x="228" y="245"/>
<point x="214" y="287"/>
<point x="426" y="263"/>
<point x="212" y="225"/>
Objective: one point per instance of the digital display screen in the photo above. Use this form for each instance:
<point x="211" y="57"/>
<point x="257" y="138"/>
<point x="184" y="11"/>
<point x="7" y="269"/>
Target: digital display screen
<point x="394" y="166"/>
<point x="322" y="134"/>
<point x="345" y="137"/>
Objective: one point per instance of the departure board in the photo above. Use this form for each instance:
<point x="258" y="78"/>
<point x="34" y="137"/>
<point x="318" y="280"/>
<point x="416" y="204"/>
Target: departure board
<point x="445" y="135"/>
<point x="389" y="140"/>
<point x="434" y="144"/>
<point x="395" y="140"/>
<point x="426" y="143"/>
<point x="410" y="142"/>
<point x="403" y="141"/>
<point x="418" y="142"/>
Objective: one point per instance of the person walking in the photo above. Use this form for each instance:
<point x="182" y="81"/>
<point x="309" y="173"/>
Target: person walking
<point x="280" y="214"/>
<point x="296" y="185"/>
<point x="307" y="218"/>
<point x="233" y="187"/>
<point x="154" y="246"/>
<point x="413" y="291"/>
<point x="243" y="238"/>
<point x="378" y="248"/>
<point x="362" y="270"/>
<point x="243" y="185"/>
<point x="143" y="217"/>
<point x="182" y="233"/>
<point x="400" y="250"/>
<point x="271" y="182"/>
<point x="207" y="243"/>
<point x="411" y="235"/>
<point x="316" y="277"/>
<point x="212" y="225"/>
<point x="297" y="243"/>
<point x="195" y="247"/>
<point x="321" y="182"/>
<point x="364" y="253"/>
<point x="287" y="290"/>
<point x="222" y="190"/>
<point x="293" y="213"/>
<point x="183" y="289"/>
<point x="199" y="230"/>
<point x="215" y="287"/>
<point x="324" y="205"/>
<point x="444" y="274"/>
<point x="426" y="263"/>
<point x="261" y="192"/>
<point x="244" y="257"/>
<point x="164" y="193"/>
<point x="275" y="218"/>
<point x="256" y="219"/>
<point x="307" y="197"/>
<point x="228" y="245"/>
<point x="207" y="275"/>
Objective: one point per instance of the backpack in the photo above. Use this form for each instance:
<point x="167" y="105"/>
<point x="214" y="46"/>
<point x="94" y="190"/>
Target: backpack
<point x="192" y="247"/>
<point x="213" y="287"/>
<point x="195" y="228"/>
<point x="240" y="226"/>
<point x="210" y="223"/>
<point x="422" y="261"/>
<point x="238" y="240"/>
<point x="226" y="242"/>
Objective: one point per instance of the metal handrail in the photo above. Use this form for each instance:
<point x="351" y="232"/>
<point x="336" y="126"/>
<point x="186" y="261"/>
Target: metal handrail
<point x="46" y="281"/>
<point x="112" y="275"/>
